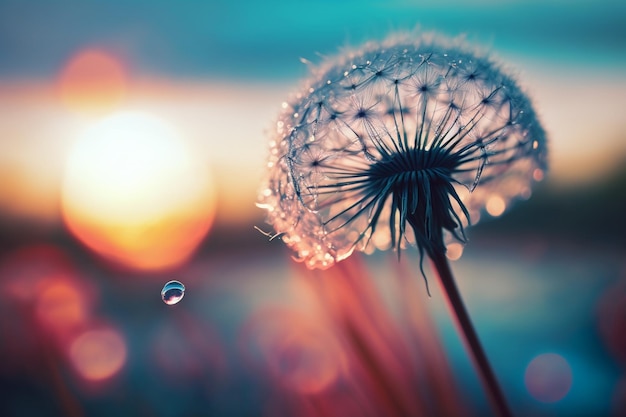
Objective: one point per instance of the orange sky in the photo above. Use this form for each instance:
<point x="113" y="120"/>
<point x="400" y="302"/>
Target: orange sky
<point x="225" y="122"/>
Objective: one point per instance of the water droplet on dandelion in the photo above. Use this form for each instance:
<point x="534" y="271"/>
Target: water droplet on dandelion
<point x="381" y="137"/>
<point x="401" y="138"/>
<point x="173" y="292"/>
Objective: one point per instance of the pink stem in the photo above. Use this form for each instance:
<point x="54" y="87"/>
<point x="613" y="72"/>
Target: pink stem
<point x="470" y="337"/>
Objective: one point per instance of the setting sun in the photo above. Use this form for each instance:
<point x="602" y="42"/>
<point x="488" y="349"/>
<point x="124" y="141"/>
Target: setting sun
<point x="135" y="193"/>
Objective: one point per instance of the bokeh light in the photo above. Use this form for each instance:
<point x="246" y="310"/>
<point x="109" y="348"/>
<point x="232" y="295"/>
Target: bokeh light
<point x="495" y="206"/>
<point x="135" y="193"/>
<point x="548" y="377"/>
<point x="185" y="348"/>
<point x="61" y="306"/>
<point x="454" y="251"/>
<point x="538" y="175"/>
<point x="98" y="354"/>
<point x="92" y="81"/>
<point x="306" y="362"/>
<point x="216" y="75"/>
<point x="294" y="349"/>
<point x="24" y="271"/>
<point x="612" y="320"/>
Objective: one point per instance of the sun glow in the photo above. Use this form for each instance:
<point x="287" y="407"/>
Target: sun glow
<point x="135" y="193"/>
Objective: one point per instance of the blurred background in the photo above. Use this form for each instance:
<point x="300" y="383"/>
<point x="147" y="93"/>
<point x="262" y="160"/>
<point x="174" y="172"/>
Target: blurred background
<point x="132" y="140"/>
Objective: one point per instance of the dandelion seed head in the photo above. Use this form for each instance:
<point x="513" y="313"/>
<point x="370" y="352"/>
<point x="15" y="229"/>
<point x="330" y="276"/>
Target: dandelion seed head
<point x="399" y="143"/>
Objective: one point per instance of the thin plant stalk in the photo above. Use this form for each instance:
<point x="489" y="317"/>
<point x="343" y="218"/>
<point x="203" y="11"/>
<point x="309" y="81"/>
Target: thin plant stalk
<point x="384" y="373"/>
<point x="464" y="324"/>
<point x="379" y="142"/>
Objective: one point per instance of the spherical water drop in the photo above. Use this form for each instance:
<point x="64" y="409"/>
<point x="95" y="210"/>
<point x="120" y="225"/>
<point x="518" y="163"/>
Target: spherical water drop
<point x="173" y="292"/>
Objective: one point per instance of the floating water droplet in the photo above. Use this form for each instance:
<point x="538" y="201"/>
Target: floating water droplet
<point x="173" y="292"/>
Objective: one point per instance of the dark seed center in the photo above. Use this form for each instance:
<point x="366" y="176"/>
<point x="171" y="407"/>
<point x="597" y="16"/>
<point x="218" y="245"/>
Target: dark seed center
<point x="431" y="162"/>
<point x="419" y="182"/>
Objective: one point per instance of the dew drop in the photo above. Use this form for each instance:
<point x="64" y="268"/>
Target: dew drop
<point x="173" y="292"/>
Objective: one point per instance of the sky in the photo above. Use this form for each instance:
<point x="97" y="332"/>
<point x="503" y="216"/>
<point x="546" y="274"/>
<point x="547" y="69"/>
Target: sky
<point x="219" y="70"/>
<point x="262" y="40"/>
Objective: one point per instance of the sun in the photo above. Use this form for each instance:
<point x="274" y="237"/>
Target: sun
<point x="136" y="193"/>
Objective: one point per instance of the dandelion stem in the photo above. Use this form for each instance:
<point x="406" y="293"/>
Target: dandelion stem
<point x="470" y="337"/>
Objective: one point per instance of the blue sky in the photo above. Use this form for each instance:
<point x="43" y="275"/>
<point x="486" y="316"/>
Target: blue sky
<point x="264" y="39"/>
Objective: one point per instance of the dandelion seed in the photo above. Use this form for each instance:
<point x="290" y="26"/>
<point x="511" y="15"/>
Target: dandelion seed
<point x="411" y="137"/>
<point x="401" y="128"/>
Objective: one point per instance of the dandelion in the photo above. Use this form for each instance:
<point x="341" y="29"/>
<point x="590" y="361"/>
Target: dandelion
<point x="397" y="144"/>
